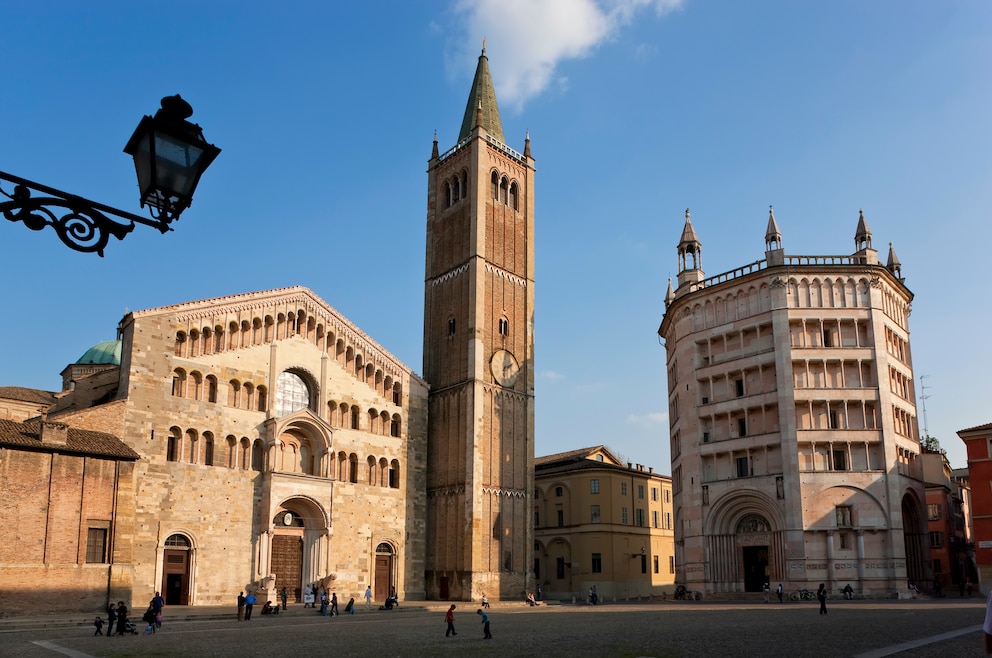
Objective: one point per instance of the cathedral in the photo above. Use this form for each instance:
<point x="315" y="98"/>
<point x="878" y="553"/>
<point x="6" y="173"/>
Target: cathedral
<point x="794" y="439"/>
<point x="262" y="441"/>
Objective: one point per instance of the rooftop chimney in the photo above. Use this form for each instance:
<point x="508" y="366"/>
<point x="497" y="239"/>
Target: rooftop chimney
<point x="52" y="432"/>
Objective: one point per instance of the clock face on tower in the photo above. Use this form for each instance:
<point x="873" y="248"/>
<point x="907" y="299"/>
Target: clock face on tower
<point x="504" y="368"/>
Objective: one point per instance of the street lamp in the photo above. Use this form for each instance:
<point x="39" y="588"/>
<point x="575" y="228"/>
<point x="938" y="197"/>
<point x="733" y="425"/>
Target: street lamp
<point x="170" y="154"/>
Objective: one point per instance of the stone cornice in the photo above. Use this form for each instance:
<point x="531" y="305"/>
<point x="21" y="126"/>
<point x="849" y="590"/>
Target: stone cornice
<point x="257" y="304"/>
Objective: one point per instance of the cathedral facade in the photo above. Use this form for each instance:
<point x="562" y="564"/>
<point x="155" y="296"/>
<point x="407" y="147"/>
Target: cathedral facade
<point x="280" y="446"/>
<point x="794" y="440"/>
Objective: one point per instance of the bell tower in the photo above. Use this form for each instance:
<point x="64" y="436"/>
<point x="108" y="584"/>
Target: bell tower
<point x="478" y="358"/>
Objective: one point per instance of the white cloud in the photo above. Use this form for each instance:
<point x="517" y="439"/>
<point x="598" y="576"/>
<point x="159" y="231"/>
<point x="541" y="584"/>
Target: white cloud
<point x="648" y="420"/>
<point x="551" y="376"/>
<point x="530" y="38"/>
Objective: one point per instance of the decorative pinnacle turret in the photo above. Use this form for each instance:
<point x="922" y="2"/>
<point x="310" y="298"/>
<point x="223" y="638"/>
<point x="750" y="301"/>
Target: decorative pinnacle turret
<point x="862" y="237"/>
<point x="893" y="264"/>
<point x="689" y="233"/>
<point x="772" y="234"/>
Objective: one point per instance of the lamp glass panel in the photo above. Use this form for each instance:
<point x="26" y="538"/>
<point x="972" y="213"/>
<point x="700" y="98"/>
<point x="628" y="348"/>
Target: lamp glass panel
<point x="143" y="163"/>
<point x="177" y="164"/>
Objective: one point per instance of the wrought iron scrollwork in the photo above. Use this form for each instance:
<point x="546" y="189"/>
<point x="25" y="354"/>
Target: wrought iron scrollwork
<point x="82" y="225"/>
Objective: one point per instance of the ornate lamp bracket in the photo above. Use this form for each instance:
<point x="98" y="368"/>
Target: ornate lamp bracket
<point x="81" y="224"/>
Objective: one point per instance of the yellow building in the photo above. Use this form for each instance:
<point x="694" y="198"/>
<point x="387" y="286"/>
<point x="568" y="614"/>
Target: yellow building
<point x="599" y="522"/>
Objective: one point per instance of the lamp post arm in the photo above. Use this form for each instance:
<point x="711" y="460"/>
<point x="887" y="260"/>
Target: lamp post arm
<point x="85" y="227"/>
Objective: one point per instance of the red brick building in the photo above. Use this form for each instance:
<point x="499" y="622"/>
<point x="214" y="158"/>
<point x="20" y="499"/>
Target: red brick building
<point x="949" y="561"/>
<point x="979" y="444"/>
<point x="67" y="498"/>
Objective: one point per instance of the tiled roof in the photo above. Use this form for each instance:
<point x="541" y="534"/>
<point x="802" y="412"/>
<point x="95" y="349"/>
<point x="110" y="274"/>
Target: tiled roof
<point x="23" y="394"/>
<point x="571" y="455"/>
<point x="78" y="441"/>
<point x="977" y="428"/>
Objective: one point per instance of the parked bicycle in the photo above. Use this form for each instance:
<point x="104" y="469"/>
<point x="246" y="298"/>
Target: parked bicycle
<point x="803" y="595"/>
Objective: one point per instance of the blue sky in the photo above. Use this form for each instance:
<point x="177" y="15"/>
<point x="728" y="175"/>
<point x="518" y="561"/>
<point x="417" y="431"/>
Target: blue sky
<point x="636" y="110"/>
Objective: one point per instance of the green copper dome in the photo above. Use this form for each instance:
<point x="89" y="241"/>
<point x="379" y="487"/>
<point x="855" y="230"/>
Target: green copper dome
<point x="105" y="353"/>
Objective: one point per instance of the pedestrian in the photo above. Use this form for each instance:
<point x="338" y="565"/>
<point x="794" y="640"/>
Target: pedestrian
<point x="283" y="594"/>
<point x="334" y="604"/>
<point x="149" y="619"/>
<point x="767" y="589"/>
<point x="158" y="603"/>
<point x="98" y="622"/>
<point x="485" y="625"/>
<point x="821" y="596"/>
<point x="111" y="618"/>
<point x="249" y="604"/>
<point x="449" y="619"/>
<point x="350" y="608"/>
<point x="539" y="592"/>
<point x="241" y="606"/>
<point x="323" y="603"/>
<point x="121" y="618"/>
<point x="778" y="590"/>
<point x="368" y="597"/>
<point x="308" y="597"/>
<point x="485" y="600"/>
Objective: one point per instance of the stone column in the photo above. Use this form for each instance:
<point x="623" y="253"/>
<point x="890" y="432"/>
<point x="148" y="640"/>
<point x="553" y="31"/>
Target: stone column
<point x="861" y="559"/>
<point x="830" y="559"/>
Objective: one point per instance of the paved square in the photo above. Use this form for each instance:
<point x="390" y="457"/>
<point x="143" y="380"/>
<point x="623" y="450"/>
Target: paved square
<point x="622" y="630"/>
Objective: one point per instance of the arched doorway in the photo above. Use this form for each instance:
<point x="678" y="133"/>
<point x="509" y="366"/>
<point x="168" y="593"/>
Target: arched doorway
<point x="383" y="571"/>
<point x="176" y="559"/>
<point x="752" y="535"/>
<point x="286" y="562"/>
<point x="559" y="570"/>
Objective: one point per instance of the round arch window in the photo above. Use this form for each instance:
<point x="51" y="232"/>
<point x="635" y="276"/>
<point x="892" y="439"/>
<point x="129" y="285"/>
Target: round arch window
<point x="177" y="543"/>
<point x="292" y="394"/>
<point x="384" y="548"/>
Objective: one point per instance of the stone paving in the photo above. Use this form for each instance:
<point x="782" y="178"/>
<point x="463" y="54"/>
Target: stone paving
<point x="865" y="629"/>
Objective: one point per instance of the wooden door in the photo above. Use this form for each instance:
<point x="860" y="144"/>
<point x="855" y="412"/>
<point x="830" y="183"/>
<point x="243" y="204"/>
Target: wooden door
<point x="287" y="564"/>
<point x="175" y="577"/>
<point x="383" y="575"/>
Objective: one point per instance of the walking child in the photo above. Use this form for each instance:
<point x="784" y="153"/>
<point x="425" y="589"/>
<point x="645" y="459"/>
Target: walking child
<point x="98" y="622"/>
<point x="485" y="625"/>
<point x="449" y="619"/>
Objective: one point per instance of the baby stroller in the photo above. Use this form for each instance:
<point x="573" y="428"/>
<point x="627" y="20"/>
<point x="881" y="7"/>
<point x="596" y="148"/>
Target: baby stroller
<point x="129" y="627"/>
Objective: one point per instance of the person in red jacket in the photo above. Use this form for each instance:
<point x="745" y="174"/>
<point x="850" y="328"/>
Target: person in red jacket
<point x="449" y="619"/>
